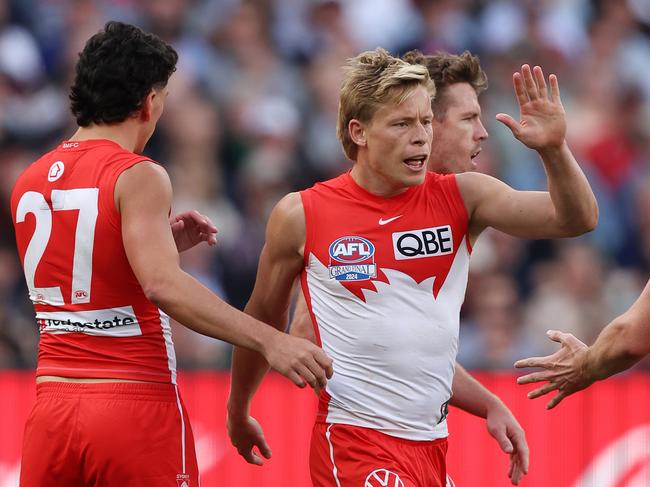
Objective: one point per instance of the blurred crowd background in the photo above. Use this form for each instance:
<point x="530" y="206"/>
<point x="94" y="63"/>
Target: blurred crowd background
<point x="251" y="116"/>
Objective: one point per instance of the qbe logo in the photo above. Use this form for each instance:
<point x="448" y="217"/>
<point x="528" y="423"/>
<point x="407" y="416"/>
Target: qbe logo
<point x="352" y="258"/>
<point x="383" y="478"/>
<point x="425" y="242"/>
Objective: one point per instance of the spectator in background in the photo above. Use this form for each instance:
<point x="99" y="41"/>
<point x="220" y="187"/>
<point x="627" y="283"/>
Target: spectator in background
<point x="491" y="335"/>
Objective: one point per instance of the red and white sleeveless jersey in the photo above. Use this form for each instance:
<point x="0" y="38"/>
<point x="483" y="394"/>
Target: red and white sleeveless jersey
<point x="384" y="280"/>
<point x="94" y="318"/>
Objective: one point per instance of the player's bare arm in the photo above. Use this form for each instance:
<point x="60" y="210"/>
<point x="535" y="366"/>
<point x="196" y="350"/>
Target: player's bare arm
<point x="569" y="207"/>
<point x="471" y="396"/>
<point x="620" y="345"/>
<point x="280" y="263"/>
<point x="143" y="197"/>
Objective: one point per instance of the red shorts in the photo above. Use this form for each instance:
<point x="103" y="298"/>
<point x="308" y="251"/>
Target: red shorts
<point x="108" y="434"/>
<point x="350" y="456"/>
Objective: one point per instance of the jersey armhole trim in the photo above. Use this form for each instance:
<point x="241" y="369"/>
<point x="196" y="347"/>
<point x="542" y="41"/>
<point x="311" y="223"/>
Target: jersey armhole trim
<point x="309" y="227"/>
<point x="460" y="203"/>
<point x="113" y="215"/>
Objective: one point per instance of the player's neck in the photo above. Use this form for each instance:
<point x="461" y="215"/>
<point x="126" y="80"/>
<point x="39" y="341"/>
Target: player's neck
<point x="375" y="183"/>
<point x="126" y="137"/>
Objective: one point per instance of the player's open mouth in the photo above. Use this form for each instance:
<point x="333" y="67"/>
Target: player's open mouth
<point x="474" y="154"/>
<point x="416" y="163"/>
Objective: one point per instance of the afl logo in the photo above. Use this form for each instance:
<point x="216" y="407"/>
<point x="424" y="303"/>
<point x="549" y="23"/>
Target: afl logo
<point x="56" y="171"/>
<point x="351" y="249"/>
<point x="352" y="258"/>
<point x="80" y="294"/>
<point x="383" y="478"/>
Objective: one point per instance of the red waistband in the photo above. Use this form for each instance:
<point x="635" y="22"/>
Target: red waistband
<point x="113" y="390"/>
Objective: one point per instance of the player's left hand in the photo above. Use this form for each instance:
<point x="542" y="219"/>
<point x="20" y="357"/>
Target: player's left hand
<point x="542" y="121"/>
<point x="507" y="431"/>
<point x="245" y="435"/>
<point x="564" y="370"/>
<point x="191" y="228"/>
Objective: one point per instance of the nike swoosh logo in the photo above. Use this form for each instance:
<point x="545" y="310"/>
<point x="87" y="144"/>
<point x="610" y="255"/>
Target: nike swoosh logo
<point x="388" y="220"/>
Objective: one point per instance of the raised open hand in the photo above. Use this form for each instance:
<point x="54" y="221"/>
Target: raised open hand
<point x="542" y="122"/>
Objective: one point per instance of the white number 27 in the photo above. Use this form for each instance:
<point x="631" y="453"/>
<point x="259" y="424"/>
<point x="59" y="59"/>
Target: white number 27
<point x="84" y="200"/>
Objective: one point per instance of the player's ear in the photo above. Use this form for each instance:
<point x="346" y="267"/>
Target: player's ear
<point x="147" y="106"/>
<point x="357" y="132"/>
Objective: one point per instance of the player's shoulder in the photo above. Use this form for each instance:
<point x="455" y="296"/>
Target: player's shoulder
<point x="289" y="207"/>
<point x="286" y="226"/>
<point x="143" y="174"/>
<point x="329" y="185"/>
<point x="475" y="182"/>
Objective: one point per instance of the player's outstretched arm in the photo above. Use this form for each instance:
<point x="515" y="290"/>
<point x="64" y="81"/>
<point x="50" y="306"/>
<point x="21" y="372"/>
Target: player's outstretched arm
<point x="190" y="228"/>
<point x="620" y="345"/>
<point x="471" y="396"/>
<point x="280" y="263"/>
<point x="143" y="197"/>
<point x="569" y="208"/>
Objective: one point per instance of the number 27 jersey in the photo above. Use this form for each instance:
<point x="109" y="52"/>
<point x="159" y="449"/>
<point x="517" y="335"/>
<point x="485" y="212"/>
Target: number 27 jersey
<point x="384" y="280"/>
<point x="94" y="318"/>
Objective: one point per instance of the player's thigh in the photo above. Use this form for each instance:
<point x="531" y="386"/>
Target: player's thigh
<point x="344" y="456"/>
<point x="138" y="441"/>
<point x="50" y="454"/>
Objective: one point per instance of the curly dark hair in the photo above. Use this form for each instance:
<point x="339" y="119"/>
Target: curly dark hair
<point x="116" y="70"/>
<point x="447" y="69"/>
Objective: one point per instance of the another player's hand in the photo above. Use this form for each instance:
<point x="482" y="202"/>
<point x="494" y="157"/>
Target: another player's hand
<point x="191" y="228"/>
<point x="245" y="435"/>
<point x="299" y="360"/>
<point x="564" y="370"/>
<point x="542" y="122"/>
<point x="505" y="429"/>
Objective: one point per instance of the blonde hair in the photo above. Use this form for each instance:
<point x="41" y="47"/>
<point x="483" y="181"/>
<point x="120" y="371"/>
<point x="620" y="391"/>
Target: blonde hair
<point x="373" y="79"/>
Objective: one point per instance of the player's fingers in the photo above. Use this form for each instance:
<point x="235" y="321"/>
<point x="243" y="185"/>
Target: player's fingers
<point x="529" y="82"/>
<point x="520" y="89"/>
<point x="308" y="375"/>
<point x="325" y="362"/>
<point x="538" y="74"/>
<point x="545" y="389"/>
<point x="565" y="339"/>
<point x="530" y="362"/>
<point x="555" y="335"/>
<point x="556" y="400"/>
<point x="249" y="455"/>
<point x="177" y="225"/>
<point x="502" y="439"/>
<point x="319" y="373"/>
<point x="555" y="89"/>
<point x="509" y="122"/>
<point x="264" y="448"/>
<point x="515" y="474"/>
<point x="522" y="453"/>
<point x="534" y="377"/>
<point x="294" y="377"/>
<point x="206" y="222"/>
